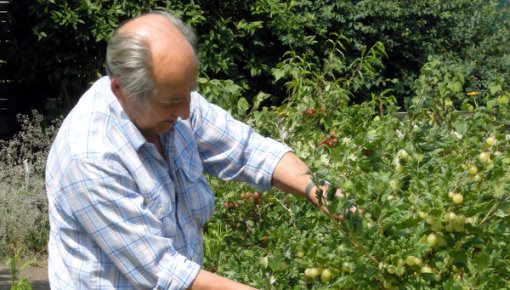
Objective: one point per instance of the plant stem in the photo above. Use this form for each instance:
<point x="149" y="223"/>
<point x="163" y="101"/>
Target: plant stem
<point x="491" y="211"/>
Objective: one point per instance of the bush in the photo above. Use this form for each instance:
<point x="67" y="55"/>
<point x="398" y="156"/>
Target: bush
<point x="63" y="42"/>
<point x="24" y="208"/>
<point x="426" y="195"/>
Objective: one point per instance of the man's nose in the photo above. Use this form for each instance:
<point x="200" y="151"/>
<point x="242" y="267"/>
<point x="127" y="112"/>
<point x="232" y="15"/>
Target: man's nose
<point x="182" y="110"/>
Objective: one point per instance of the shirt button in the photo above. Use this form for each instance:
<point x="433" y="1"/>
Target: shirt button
<point x="161" y="211"/>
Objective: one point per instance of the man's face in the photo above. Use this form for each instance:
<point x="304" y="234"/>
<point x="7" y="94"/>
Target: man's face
<point x="174" y="70"/>
<point x="158" y="113"/>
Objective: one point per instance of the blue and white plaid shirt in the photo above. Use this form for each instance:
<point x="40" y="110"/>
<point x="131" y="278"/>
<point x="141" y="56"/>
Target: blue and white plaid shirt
<point x="122" y="216"/>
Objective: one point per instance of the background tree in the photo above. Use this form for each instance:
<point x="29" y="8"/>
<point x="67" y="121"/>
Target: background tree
<point x="58" y="46"/>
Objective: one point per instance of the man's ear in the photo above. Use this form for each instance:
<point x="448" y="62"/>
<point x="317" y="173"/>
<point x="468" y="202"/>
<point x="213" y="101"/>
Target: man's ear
<point x="117" y="91"/>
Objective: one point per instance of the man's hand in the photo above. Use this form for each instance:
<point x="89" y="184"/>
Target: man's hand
<point x="293" y="176"/>
<point x="312" y="192"/>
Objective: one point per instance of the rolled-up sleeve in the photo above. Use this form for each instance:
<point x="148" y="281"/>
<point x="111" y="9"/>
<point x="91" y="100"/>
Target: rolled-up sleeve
<point x="118" y="222"/>
<point x="230" y="149"/>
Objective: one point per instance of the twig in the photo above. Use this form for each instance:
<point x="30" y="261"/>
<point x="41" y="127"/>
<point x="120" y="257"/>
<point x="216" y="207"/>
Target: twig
<point x="491" y="211"/>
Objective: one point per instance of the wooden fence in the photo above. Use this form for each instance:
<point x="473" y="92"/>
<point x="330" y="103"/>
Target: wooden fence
<point x="6" y="76"/>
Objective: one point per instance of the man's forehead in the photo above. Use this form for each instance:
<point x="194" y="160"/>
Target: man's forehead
<point x="147" y="23"/>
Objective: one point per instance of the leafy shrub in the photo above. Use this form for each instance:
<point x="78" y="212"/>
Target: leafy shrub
<point x="428" y="218"/>
<point x="16" y="265"/>
<point x="426" y="194"/>
<point x="63" y="42"/>
<point x="22" y="189"/>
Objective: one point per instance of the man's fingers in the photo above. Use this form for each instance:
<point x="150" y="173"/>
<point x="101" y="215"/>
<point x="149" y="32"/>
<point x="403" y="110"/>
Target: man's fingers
<point x="339" y="193"/>
<point x="337" y="217"/>
<point x="340" y="217"/>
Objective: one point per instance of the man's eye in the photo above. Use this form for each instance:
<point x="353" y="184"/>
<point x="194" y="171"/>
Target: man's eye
<point x="172" y="103"/>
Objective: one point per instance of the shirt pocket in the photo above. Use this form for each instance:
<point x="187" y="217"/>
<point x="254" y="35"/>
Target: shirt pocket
<point x="157" y="191"/>
<point x="198" y="196"/>
<point x="157" y="201"/>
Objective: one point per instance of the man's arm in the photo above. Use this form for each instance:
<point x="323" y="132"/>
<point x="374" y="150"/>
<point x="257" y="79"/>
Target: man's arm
<point x="292" y="175"/>
<point x="115" y="221"/>
<point x="230" y="149"/>
<point x="206" y="280"/>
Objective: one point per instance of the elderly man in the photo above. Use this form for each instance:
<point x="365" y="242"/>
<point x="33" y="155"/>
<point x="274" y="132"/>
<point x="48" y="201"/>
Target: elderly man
<point x="127" y="195"/>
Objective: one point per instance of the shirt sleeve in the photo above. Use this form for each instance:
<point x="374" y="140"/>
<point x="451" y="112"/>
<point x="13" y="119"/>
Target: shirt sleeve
<point x="230" y="149"/>
<point x="102" y="197"/>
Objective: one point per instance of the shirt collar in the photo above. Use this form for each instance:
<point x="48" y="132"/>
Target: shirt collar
<point x="131" y="132"/>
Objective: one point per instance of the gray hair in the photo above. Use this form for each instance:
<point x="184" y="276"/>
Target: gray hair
<point x="129" y="59"/>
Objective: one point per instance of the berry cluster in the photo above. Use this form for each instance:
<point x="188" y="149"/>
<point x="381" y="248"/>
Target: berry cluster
<point x="308" y="112"/>
<point x="312" y="111"/>
<point x="244" y="197"/>
<point x="330" y="140"/>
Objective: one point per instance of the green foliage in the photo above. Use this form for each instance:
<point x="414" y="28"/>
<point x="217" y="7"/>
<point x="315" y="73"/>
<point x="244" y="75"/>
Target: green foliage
<point x="425" y="201"/>
<point x="333" y="79"/>
<point x="226" y="94"/>
<point x="413" y="30"/>
<point x="22" y="190"/>
<point x="13" y="262"/>
<point x="445" y="82"/>
<point x="63" y="42"/>
<point x="416" y="214"/>
<point x="273" y="244"/>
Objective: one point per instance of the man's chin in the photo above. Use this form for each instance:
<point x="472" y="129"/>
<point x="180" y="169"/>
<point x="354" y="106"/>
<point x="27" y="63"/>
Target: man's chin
<point x="165" y="126"/>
